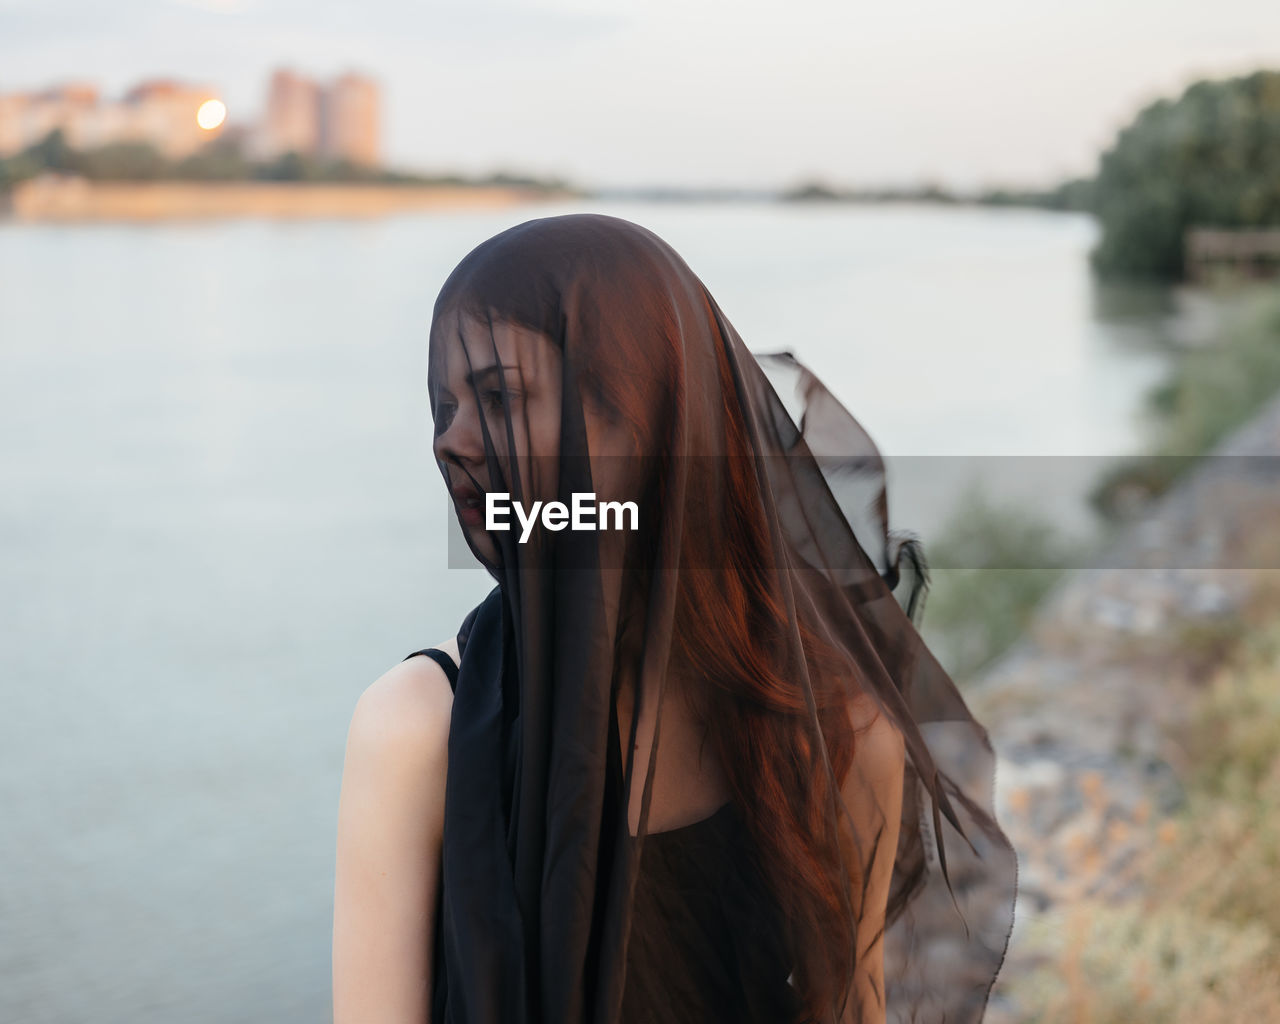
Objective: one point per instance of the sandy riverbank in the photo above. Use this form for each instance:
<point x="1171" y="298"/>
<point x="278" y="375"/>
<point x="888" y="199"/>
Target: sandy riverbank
<point x="72" y="199"/>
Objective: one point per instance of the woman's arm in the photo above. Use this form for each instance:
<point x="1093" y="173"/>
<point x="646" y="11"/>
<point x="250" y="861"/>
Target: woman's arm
<point x="873" y="794"/>
<point x="390" y="829"/>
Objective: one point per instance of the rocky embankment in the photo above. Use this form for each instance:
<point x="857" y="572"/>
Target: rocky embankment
<point x="1083" y="712"/>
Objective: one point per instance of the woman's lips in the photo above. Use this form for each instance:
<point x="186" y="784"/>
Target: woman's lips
<point x="470" y="504"/>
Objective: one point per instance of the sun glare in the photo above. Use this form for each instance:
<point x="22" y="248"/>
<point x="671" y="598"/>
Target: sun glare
<point x="211" y="114"/>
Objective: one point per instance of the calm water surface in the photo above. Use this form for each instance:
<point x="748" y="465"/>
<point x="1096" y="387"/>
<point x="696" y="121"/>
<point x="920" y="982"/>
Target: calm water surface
<point x="220" y="521"/>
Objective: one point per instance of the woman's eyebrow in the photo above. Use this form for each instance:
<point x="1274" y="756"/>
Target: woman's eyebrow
<point x="475" y="377"/>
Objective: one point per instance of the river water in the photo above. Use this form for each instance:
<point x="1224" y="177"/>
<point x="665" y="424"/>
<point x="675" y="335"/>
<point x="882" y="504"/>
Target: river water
<point x="220" y="521"/>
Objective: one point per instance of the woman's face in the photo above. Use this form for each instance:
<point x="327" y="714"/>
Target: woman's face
<point x="515" y="374"/>
<point x="527" y="394"/>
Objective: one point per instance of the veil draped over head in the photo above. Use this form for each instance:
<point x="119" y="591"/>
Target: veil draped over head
<point x="703" y="768"/>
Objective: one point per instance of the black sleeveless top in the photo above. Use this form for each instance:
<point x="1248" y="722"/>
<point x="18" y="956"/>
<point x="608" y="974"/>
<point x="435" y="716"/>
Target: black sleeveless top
<point x="706" y="939"/>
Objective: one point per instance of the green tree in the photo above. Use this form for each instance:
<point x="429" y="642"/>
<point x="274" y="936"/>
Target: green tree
<point x="1209" y="158"/>
<point x="122" y="161"/>
<point x="52" y="153"/>
<point x="222" y="159"/>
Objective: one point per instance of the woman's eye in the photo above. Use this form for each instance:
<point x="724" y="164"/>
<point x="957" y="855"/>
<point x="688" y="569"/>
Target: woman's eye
<point x="444" y="416"/>
<point x="497" y="398"/>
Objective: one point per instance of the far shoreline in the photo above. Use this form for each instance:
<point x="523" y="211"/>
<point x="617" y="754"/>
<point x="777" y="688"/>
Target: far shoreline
<point x="56" y="198"/>
<point x="77" y="200"/>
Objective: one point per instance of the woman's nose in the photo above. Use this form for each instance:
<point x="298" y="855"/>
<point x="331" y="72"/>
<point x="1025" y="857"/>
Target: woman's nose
<point x="461" y="441"/>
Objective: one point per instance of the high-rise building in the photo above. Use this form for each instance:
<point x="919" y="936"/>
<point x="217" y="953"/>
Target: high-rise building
<point x="337" y="121"/>
<point x="292" y="123"/>
<point x="13" y="117"/>
<point x="350" y="126"/>
<point x="26" y="118"/>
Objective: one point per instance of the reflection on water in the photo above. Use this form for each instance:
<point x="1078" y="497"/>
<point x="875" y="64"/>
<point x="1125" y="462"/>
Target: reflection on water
<point x="1148" y="316"/>
<point x="220" y="521"/>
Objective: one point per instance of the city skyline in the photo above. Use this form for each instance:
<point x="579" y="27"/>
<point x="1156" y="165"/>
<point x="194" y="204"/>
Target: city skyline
<point x="172" y="116"/>
<point x="338" y="119"/>
<point x="691" y="93"/>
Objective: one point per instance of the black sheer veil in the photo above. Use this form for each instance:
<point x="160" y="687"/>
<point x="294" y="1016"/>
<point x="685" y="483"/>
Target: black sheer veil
<point x="668" y="776"/>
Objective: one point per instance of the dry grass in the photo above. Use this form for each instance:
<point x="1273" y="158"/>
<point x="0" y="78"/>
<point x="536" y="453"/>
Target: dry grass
<point x="1201" y="940"/>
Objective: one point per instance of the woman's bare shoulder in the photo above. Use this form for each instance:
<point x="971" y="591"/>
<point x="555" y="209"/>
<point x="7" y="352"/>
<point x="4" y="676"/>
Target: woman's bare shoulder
<point x="389" y="834"/>
<point x="405" y="712"/>
<point x="879" y="753"/>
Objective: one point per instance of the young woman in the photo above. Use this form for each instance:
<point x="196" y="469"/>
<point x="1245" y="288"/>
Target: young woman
<point x="686" y="763"/>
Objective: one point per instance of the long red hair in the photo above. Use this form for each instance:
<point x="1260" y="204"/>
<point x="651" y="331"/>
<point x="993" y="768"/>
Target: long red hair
<point x="729" y="630"/>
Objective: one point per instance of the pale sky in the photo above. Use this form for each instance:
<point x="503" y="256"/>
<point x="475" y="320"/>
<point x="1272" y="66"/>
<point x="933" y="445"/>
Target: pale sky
<point x="685" y="92"/>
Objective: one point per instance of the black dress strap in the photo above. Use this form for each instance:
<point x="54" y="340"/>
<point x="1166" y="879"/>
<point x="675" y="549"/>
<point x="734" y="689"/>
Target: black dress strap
<point x="444" y="660"/>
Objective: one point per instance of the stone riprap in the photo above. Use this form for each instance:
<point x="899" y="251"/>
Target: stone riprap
<point x="1083" y="711"/>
